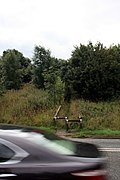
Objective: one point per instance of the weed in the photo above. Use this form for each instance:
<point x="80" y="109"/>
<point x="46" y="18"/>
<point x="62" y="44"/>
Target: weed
<point x="32" y="106"/>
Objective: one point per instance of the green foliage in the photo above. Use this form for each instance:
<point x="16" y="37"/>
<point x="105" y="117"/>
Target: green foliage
<point x="1" y="89"/>
<point x="100" y="115"/>
<point x="53" y="82"/>
<point x="95" y="71"/>
<point x="1" y="86"/>
<point x="92" y="72"/>
<point x="32" y="106"/>
<point x="42" y="61"/>
<point x="95" y="115"/>
<point x="20" y="107"/>
<point x="14" y="69"/>
<point x="11" y="77"/>
<point x="67" y="77"/>
<point x="106" y="133"/>
<point x="59" y="90"/>
<point x="26" y="70"/>
<point x="47" y="74"/>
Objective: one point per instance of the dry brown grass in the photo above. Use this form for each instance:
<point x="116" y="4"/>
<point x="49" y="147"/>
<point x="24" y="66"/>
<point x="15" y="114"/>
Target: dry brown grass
<point x="30" y="106"/>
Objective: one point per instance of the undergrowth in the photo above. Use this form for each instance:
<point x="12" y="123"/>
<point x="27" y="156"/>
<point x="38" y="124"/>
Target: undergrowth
<point x="31" y="106"/>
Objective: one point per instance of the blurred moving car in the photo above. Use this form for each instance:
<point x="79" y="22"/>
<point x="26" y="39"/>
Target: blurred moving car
<point x="30" y="153"/>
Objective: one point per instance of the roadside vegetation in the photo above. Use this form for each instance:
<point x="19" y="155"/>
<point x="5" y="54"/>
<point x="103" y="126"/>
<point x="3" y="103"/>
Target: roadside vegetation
<point x="32" y="106"/>
<point x="86" y="85"/>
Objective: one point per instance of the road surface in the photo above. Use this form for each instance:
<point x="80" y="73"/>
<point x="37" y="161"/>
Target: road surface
<point x="111" y="148"/>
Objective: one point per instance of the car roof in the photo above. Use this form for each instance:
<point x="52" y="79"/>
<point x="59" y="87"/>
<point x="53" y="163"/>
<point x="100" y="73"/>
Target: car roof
<point x="13" y="126"/>
<point x="15" y="129"/>
<point x="16" y="132"/>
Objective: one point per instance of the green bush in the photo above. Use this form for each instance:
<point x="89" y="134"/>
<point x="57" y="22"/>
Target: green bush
<point x="32" y="106"/>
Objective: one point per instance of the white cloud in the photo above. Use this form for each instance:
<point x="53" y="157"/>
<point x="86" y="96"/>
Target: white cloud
<point x="57" y="24"/>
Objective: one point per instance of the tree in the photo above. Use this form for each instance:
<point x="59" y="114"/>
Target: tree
<point x="54" y="85"/>
<point x="96" y="71"/>
<point x="26" y="70"/>
<point x="1" y="86"/>
<point x="67" y="78"/>
<point x="14" y="69"/>
<point x="81" y="64"/>
<point x="41" y="61"/>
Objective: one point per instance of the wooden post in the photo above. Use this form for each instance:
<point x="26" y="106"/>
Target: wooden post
<point x="55" y="116"/>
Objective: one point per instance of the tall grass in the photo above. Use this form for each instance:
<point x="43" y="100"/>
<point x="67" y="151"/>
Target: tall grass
<point x="101" y="115"/>
<point x="21" y="107"/>
<point x="31" y="106"/>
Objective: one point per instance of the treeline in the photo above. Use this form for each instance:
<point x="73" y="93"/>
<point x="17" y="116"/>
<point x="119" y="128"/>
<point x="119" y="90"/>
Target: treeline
<point x="92" y="72"/>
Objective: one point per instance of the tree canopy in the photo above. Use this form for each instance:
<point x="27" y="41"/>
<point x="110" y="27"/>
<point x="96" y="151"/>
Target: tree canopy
<point x="92" y="72"/>
<point x="96" y="71"/>
<point x="15" y="69"/>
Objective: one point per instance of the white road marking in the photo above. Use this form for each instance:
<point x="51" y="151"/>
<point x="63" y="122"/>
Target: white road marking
<point x="110" y="149"/>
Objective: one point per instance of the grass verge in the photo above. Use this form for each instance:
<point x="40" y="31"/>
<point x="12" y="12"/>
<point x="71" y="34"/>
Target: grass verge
<point x="84" y="133"/>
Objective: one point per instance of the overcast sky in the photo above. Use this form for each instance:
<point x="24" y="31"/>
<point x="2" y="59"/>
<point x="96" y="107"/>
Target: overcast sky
<point x="58" y="25"/>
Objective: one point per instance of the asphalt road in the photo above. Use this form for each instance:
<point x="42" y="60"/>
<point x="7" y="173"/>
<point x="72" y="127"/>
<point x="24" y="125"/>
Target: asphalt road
<point x="111" y="148"/>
